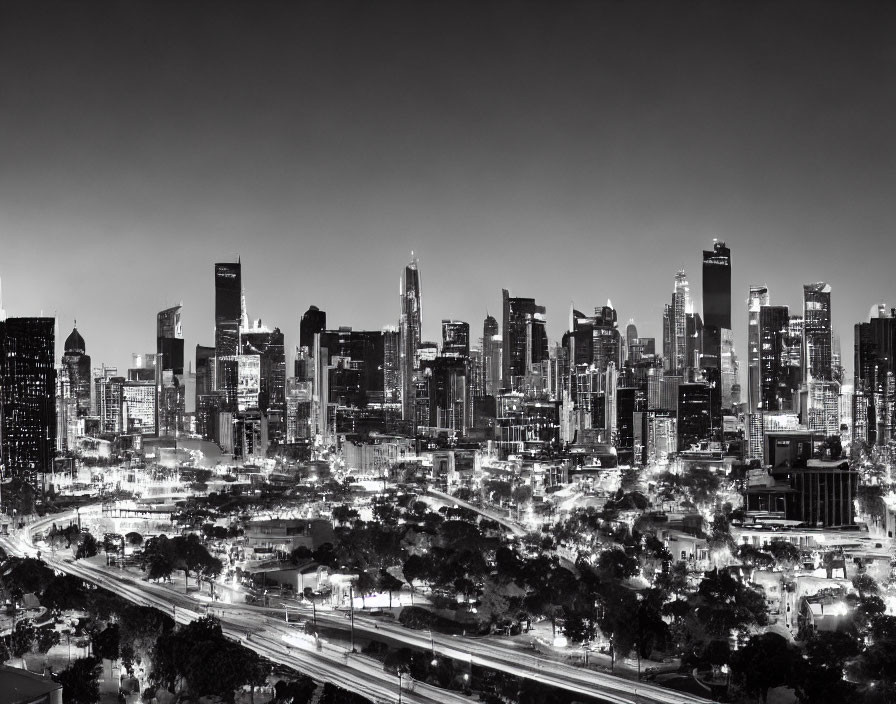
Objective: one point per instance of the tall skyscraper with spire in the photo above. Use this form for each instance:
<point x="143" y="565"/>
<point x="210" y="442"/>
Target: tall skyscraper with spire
<point x="410" y="325"/>
<point x="675" y="326"/>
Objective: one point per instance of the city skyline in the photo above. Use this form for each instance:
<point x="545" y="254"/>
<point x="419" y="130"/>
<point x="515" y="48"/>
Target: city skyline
<point x="495" y="142"/>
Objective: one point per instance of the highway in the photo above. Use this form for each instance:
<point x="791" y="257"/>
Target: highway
<point x="333" y="664"/>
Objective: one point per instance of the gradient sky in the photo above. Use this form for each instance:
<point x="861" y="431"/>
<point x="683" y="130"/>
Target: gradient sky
<point x="566" y="151"/>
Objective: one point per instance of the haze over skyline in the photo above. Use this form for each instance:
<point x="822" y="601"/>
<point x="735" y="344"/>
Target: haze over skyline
<point x="570" y="153"/>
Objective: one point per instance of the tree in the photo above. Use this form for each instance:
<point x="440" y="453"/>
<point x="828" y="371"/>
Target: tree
<point x="767" y="661"/>
<point x="80" y="682"/>
<point x="344" y="514"/>
<point x="46" y="638"/>
<point x="387" y="583"/>
<point x="865" y="585"/>
<point x="64" y="592"/>
<point x="787" y="555"/>
<point x="822" y="678"/>
<point x="298" y="691"/>
<point x="106" y="643"/>
<point x="722" y="605"/>
<point x="615" y="564"/>
<point x="87" y="546"/>
<point x="417" y="567"/>
<point x="158" y="557"/>
<point x="24" y="575"/>
<point x="22" y="638"/>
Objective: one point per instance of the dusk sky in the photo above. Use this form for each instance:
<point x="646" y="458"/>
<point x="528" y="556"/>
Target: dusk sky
<point x="571" y="152"/>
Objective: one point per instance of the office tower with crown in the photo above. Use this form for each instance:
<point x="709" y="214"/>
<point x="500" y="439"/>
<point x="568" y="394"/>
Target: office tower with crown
<point x="76" y="363"/>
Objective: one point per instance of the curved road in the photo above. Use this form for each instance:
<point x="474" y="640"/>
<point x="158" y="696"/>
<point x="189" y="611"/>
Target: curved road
<point x="357" y="672"/>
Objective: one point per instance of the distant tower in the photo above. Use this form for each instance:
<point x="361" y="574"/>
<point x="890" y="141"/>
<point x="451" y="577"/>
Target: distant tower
<point x="228" y="314"/>
<point x="170" y="392"/>
<point x="77" y="365"/>
<point x="410" y="327"/>
<point x="313" y="321"/>
<point x="491" y="356"/>
<point x="717" y="286"/>
<point x="525" y="338"/>
<point x="678" y="327"/>
<point x="455" y="338"/>
<point x="758" y="298"/>
<point x="817" y="332"/>
<point x="631" y="334"/>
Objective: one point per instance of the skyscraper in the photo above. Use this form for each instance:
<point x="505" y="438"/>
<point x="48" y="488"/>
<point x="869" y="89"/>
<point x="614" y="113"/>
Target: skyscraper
<point x="817" y="332"/>
<point x="631" y="334"/>
<point x="313" y="321"/>
<point x="776" y="393"/>
<point x="169" y="372"/>
<point x="675" y="326"/>
<point x="76" y="362"/>
<point x="525" y="338"/>
<point x="717" y="286"/>
<point x="268" y="345"/>
<point x="758" y="298"/>
<point x="228" y="308"/>
<point x="874" y="411"/>
<point x="410" y="327"/>
<point x="27" y="396"/>
<point x="228" y="315"/>
<point x="491" y="355"/>
<point x="455" y="338"/>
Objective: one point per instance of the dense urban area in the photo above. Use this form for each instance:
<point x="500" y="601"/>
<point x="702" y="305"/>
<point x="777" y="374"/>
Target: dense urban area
<point x="608" y="518"/>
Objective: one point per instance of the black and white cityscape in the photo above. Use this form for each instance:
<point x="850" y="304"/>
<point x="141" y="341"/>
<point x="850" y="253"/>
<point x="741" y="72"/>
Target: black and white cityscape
<point x="624" y="432"/>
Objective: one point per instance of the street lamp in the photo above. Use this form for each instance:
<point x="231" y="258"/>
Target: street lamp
<point x="399" y="686"/>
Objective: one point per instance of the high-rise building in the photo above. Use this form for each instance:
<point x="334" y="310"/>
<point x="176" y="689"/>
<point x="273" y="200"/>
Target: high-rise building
<point x="27" y="396"/>
<point x="391" y="365"/>
<point x="817" y="332"/>
<point x="411" y="323"/>
<point x="694" y="416"/>
<point x="228" y="308"/>
<point x="491" y="355"/>
<point x="268" y="346"/>
<point x="525" y="338"/>
<point x="874" y="396"/>
<point x="631" y="334"/>
<point x="313" y="321"/>
<point x="717" y="286"/>
<point x="675" y="327"/>
<point x="758" y="298"/>
<point x="205" y="371"/>
<point x="455" y="338"/>
<point x="776" y="388"/>
<point x="76" y="363"/>
<point x="170" y="406"/>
